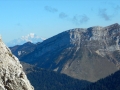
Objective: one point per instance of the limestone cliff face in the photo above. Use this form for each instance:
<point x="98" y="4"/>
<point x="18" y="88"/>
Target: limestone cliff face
<point x="12" y="76"/>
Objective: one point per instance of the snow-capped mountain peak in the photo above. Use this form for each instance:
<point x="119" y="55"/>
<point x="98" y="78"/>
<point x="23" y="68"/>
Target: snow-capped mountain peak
<point x="31" y="37"/>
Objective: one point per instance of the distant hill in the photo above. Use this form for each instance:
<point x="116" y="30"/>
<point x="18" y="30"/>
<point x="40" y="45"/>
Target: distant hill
<point x="111" y="82"/>
<point x="22" y="50"/>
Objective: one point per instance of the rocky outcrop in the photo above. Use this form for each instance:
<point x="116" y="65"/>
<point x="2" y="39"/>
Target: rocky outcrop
<point x="83" y="53"/>
<point x="12" y="76"/>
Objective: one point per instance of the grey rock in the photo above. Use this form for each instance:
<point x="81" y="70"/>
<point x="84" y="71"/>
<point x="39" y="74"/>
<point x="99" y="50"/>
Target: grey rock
<point x="12" y="76"/>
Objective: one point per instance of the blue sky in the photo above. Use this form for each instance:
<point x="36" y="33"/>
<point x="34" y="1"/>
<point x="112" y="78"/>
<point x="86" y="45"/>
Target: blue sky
<point x="50" y="17"/>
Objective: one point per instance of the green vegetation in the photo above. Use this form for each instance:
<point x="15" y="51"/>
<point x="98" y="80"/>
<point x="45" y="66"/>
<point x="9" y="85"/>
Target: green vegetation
<point x="49" y="80"/>
<point x="111" y="82"/>
<point x="10" y="54"/>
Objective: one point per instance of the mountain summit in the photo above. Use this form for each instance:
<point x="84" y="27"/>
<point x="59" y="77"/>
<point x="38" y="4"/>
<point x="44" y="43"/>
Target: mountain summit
<point x="12" y="76"/>
<point x="33" y="38"/>
<point x="83" y="53"/>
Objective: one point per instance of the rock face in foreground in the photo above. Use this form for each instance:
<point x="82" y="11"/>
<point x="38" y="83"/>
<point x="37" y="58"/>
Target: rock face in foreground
<point x="12" y="76"/>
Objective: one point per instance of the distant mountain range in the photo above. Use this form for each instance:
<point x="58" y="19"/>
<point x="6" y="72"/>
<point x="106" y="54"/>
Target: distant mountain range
<point x="33" y="38"/>
<point x="83" y="53"/>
